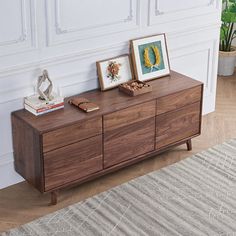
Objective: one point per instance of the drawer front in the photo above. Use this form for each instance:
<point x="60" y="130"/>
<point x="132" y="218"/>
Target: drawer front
<point x="178" y="100"/>
<point x="129" y="142"/>
<point x="177" y="125"/>
<point x="71" y="134"/>
<point x="72" y="162"/>
<point x="129" y="115"/>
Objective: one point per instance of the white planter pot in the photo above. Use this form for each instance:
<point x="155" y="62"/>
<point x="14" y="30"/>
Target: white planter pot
<point x="227" y="62"/>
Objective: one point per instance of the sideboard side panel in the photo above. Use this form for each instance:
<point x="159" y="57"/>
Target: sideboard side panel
<point x="27" y="153"/>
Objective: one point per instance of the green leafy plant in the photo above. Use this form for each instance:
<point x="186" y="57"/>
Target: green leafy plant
<point x="227" y="33"/>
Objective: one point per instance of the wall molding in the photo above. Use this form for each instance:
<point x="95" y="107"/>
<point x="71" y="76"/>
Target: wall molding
<point x="17" y="69"/>
<point x="59" y="29"/>
<point x="78" y="83"/>
<point x="60" y="83"/>
<point x="15" y="94"/>
<point x="63" y="82"/>
<point x="209" y="47"/>
<point x="27" y="40"/>
<point x="158" y="11"/>
<point x="189" y="31"/>
<point x="57" y="35"/>
<point x="81" y="55"/>
<point x="159" y="16"/>
<point x="23" y="36"/>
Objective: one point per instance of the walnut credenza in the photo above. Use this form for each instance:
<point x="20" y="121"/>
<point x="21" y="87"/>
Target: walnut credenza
<point x="68" y="146"/>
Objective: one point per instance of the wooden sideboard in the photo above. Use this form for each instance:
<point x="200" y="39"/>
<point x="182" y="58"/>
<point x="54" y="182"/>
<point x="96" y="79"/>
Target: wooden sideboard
<point x="69" y="147"/>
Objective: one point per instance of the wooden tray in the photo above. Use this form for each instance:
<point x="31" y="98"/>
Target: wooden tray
<point x="135" y="87"/>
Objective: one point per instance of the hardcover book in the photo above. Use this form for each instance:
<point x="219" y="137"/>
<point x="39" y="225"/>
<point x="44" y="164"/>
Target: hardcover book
<point x="36" y="103"/>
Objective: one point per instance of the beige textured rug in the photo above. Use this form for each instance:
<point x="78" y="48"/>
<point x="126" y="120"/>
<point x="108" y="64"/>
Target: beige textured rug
<point x="196" y="196"/>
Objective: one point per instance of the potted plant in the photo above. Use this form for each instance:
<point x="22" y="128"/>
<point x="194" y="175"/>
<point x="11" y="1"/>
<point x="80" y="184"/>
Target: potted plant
<point x="227" y="55"/>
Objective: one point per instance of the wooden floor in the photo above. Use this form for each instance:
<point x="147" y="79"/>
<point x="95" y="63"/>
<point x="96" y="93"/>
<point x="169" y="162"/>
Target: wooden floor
<point x="21" y="203"/>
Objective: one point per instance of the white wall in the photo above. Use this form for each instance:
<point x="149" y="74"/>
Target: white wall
<point x="68" y="36"/>
<point x="234" y="41"/>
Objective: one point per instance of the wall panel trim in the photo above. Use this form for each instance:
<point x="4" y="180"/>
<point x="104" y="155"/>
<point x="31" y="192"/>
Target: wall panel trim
<point x="60" y="30"/>
<point x="57" y="35"/>
<point x="158" y="11"/>
<point x="23" y="36"/>
<point x="80" y="55"/>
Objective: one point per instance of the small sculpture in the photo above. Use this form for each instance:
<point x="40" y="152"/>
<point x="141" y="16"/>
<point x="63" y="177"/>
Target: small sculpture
<point x="44" y="80"/>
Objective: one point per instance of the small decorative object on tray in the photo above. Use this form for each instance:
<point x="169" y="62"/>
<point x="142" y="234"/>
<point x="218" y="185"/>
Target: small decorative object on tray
<point x="37" y="106"/>
<point x="83" y="104"/>
<point x="135" y="87"/>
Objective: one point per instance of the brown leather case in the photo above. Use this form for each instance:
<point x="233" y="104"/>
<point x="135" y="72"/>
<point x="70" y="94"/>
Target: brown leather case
<point x="84" y="104"/>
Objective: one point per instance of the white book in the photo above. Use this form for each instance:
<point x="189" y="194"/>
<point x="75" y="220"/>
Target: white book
<point x="36" y="103"/>
<point x="33" y="111"/>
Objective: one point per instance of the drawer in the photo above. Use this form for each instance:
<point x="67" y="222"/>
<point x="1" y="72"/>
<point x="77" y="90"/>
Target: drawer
<point x="71" y="134"/>
<point x="129" y="115"/>
<point x="70" y="163"/>
<point x="174" y="126"/>
<point x="178" y="100"/>
<point x="129" y="142"/>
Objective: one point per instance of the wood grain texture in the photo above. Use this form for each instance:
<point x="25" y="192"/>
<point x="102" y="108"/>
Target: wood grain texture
<point x="72" y="162"/>
<point x="71" y="134"/>
<point x="27" y="153"/>
<point x="129" y="142"/>
<point x="54" y="196"/>
<point x="108" y="101"/>
<point x="21" y="203"/>
<point x="174" y="126"/>
<point x="88" y="146"/>
<point x="129" y="115"/>
<point x="178" y="100"/>
<point x="189" y="144"/>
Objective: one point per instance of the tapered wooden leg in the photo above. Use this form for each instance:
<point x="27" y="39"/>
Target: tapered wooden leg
<point x="189" y="144"/>
<point x="54" y="195"/>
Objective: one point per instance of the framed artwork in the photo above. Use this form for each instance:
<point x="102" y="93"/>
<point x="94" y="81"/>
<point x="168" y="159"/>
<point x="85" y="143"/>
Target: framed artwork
<point x="150" y="57"/>
<point x="114" y="71"/>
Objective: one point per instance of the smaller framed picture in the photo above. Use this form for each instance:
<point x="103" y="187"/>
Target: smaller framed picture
<point x="150" y="57"/>
<point x="114" y="71"/>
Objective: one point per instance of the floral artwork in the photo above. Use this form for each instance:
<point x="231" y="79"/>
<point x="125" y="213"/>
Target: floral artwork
<point x="113" y="71"/>
<point x="150" y="57"/>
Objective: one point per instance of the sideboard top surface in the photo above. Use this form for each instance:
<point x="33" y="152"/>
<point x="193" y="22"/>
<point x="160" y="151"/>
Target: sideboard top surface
<point x="108" y="101"/>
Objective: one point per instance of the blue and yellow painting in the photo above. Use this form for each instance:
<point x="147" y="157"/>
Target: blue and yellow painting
<point x="151" y="57"/>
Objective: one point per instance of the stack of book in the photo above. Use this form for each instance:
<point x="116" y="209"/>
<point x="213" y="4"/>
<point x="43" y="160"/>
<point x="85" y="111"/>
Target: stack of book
<point x="38" y="107"/>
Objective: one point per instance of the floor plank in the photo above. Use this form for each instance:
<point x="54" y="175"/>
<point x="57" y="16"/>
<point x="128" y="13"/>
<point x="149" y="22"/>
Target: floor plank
<point x="21" y="203"/>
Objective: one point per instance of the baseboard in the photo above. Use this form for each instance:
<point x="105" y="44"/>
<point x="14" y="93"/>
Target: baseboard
<point x="210" y="105"/>
<point x="8" y="176"/>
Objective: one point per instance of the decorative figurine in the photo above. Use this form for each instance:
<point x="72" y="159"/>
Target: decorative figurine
<point x="44" y="80"/>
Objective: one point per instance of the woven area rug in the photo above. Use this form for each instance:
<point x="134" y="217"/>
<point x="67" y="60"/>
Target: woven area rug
<point x="196" y="196"/>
